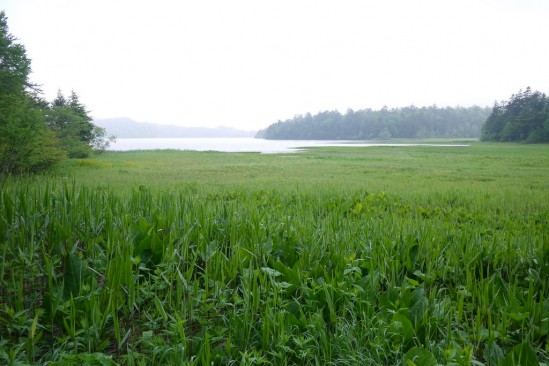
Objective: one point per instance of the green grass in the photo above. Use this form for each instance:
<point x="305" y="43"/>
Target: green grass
<point x="347" y="255"/>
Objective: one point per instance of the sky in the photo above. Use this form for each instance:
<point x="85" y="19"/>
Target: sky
<point x="249" y="63"/>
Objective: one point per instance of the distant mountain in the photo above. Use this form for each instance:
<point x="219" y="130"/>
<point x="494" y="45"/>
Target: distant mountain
<point x="128" y="128"/>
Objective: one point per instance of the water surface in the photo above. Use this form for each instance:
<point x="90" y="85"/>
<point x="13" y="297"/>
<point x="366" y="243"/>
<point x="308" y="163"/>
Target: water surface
<point x="247" y="144"/>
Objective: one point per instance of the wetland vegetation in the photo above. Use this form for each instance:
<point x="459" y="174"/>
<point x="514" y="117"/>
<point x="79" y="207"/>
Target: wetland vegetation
<point x="337" y="255"/>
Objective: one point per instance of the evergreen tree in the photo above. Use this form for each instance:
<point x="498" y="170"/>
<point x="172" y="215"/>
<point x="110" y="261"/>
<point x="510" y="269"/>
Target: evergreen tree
<point x="26" y="145"/>
<point x="524" y="118"/>
<point x="71" y="121"/>
<point x="60" y="100"/>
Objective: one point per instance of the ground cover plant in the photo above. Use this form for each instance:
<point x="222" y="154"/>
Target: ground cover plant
<point x="347" y="255"/>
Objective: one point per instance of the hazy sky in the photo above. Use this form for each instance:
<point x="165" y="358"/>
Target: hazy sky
<point x="250" y="63"/>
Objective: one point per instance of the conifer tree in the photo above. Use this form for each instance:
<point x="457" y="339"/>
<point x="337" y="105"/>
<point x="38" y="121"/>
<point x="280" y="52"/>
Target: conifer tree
<point x="71" y="121"/>
<point x="26" y="144"/>
<point x="524" y="118"/>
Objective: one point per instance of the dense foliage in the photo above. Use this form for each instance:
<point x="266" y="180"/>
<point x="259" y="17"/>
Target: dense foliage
<point x="524" y="118"/>
<point x="445" y="266"/>
<point x="25" y="142"/>
<point x="77" y="134"/>
<point x="34" y="134"/>
<point x="407" y="122"/>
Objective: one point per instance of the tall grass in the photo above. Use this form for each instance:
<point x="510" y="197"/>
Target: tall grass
<point x="236" y="275"/>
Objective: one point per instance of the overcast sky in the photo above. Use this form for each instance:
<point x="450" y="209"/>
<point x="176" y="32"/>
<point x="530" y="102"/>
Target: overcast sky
<point x="250" y="63"/>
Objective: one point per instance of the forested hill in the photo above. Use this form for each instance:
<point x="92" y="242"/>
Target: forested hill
<point x="365" y="124"/>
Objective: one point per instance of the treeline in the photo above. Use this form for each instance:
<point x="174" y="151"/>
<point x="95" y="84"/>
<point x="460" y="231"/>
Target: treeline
<point x="367" y="124"/>
<point x="524" y="118"/>
<point x="34" y="133"/>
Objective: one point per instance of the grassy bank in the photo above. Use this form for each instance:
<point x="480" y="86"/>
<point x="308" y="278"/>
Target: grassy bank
<point x="347" y="255"/>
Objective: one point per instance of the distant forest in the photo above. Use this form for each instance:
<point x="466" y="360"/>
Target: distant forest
<point x="367" y="124"/>
<point x="524" y="118"/>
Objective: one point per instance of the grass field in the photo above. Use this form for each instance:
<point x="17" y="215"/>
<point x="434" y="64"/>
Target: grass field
<point x="342" y="256"/>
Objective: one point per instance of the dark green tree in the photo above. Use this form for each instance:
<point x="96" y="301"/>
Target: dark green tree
<point x="71" y="121"/>
<point x="524" y="118"/>
<point x="26" y="144"/>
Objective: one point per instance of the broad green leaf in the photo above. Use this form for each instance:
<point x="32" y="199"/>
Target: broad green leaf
<point x="73" y="275"/>
<point x="418" y="356"/>
<point x="402" y="326"/>
<point x="412" y="281"/>
<point x="418" y="304"/>
<point x="493" y="354"/>
<point x="270" y="271"/>
<point x="521" y="355"/>
<point x="389" y="299"/>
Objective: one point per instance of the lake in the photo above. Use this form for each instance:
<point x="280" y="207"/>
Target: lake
<point x="247" y="144"/>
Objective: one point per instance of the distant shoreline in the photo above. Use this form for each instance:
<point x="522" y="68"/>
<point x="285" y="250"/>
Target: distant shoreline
<point x="128" y="128"/>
